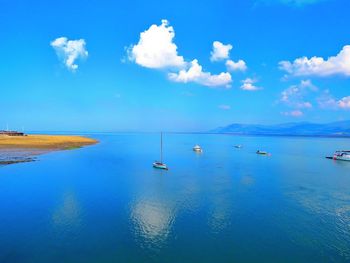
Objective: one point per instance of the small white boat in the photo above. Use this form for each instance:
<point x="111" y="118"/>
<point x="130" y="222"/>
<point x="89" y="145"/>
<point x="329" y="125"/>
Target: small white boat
<point x="238" y="146"/>
<point x="341" y="156"/>
<point x="197" y="148"/>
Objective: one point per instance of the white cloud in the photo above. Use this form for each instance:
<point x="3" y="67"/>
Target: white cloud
<point x="326" y="100"/>
<point x="187" y="94"/>
<point x="248" y="84"/>
<point x="195" y="74"/>
<point x="69" y="51"/>
<point x="297" y="3"/>
<point x="318" y="66"/>
<point x="156" y="48"/>
<point x="305" y="104"/>
<point x="294" y="96"/>
<point x="344" y="103"/>
<point x="240" y="65"/>
<point x="224" y="107"/>
<point x="294" y="113"/>
<point x="220" y="51"/>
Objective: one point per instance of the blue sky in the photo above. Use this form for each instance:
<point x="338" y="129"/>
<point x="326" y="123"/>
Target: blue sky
<point x="83" y="65"/>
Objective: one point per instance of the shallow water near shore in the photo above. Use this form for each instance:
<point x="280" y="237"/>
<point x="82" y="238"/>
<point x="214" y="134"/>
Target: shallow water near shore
<point x="15" y="155"/>
<point x="105" y="203"/>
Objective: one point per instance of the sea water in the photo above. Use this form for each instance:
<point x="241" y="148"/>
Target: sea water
<point x="105" y="203"/>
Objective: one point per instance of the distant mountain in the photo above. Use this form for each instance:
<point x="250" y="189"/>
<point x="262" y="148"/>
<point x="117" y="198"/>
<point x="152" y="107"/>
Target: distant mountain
<point x="340" y="128"/>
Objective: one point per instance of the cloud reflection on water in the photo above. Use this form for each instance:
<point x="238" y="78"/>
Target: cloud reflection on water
<point x="68" y="212"/>
<point x="331" y="219"/>
<point x="153" y="221"/>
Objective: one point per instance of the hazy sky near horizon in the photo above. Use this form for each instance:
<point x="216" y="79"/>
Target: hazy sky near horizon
<point x="172" y="65"/>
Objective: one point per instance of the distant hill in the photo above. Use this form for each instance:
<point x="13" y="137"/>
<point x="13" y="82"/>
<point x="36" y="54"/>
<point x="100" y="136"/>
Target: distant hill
<point x="340" y="128"/>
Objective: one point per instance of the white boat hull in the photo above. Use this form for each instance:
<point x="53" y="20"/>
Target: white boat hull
<point x="341" y="156"/>
<point x="197" y="149"/>
<point x="159" y="165"/>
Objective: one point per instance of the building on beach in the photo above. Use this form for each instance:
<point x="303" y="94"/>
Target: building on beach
<point x="12" y="133"/>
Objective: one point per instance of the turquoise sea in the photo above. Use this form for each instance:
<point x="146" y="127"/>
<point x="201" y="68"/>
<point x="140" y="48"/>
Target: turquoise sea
<point x="105" y="203"/>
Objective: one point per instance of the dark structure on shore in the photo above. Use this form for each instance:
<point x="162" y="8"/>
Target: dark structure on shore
<point x="12" y="133"/>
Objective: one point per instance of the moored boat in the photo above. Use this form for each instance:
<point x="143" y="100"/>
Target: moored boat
<point x="341" y="156"/>
<point x="262" y="152"/>
<point x="160" y="164"/>
<point x="197" y="148"/>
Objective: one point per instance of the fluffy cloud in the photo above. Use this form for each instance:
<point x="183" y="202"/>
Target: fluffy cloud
<point x="294" y="96"/>
<point x="196" y="74"/>
<point x="220" y="51"/>
<point x="156" y="48"/>
<point x="327" y="101"/>
<point x="224" y="107"/>
<point x="240" y="65"/>
<point x="299" y="97"/>
<point x="344" y="103"/>
<point x="69" y="51"/>
<point x="294" y="113"/>
<point x="248" y="84"/>
<point x="318" y="66"/>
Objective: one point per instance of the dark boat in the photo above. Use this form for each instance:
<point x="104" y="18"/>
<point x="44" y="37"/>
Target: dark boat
<point x="262" y="152"/>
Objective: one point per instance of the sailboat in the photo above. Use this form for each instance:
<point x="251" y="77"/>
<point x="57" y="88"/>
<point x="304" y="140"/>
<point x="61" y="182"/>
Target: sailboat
<point x="157" y="164"/>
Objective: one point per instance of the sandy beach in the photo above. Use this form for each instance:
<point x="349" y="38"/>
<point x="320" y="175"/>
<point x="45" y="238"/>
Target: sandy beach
<point x="48" y="142"/>
<point x="18" y="149"/>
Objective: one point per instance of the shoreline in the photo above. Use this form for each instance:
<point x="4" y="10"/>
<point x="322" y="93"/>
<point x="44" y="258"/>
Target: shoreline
<point x="20" y="149"/>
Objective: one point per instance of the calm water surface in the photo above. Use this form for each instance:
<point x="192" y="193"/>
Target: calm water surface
<point x="105" y="203"/>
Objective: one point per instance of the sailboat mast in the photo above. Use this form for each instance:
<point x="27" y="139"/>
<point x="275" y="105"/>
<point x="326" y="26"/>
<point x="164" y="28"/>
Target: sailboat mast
<point x="161" y="147"/>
